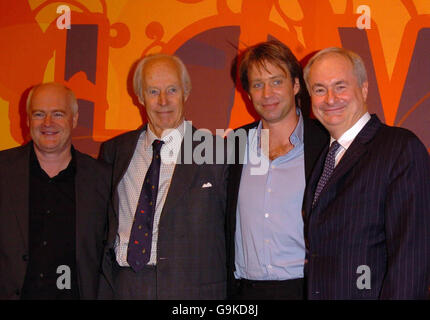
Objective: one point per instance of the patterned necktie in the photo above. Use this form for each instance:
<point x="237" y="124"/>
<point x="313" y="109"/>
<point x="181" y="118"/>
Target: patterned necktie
<point x="139" y="246"/>
<point x="328" y="170"/>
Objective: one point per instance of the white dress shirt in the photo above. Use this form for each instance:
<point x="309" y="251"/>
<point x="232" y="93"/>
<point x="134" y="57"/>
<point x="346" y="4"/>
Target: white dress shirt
<point x="130" y="186"/>
<point x="348" y="137"/>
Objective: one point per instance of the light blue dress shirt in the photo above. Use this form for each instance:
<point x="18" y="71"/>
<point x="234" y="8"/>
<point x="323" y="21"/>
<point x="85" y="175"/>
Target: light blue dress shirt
<point x="269" y="241"/>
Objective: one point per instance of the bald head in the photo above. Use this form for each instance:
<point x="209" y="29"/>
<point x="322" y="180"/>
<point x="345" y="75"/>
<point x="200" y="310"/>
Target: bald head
<point x="53" y="87"/>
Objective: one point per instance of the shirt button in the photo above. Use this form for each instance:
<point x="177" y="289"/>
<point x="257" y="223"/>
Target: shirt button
<point x="41" y="275"/>
<point x="269" y="190"/>
<point x="266" y="215"/>
<point x="48" y="211"/>
<point x="44" y="243"/>
<point x="269" y="266"/>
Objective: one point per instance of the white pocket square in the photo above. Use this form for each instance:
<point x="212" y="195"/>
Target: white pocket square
<point x="207" y="185"/>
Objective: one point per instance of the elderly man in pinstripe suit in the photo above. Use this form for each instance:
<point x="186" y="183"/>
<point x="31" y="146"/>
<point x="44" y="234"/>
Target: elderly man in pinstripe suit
<point x="367" y="208"/>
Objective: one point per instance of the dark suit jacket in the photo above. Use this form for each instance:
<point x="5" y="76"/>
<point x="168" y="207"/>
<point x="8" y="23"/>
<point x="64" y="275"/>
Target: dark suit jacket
<point x="191" y="239"/>
<point x="92" y="189"/>
<point x="374" y="211"/>
<point x="315" y="139"/>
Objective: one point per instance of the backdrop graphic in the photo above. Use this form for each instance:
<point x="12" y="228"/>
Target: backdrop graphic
<point x="95" y="57"/>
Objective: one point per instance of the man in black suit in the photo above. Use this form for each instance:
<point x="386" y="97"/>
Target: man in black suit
<point x="367" y="204"/>
<point x="265" y="242"/>
<point x="53" y="206"/>
<point x="181" y="253"/>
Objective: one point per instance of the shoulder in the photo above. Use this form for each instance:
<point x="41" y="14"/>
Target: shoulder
<point x="314" y="125"/>
<point x="314" y="132"/>
<point x="10" y="155"/>
<point x="118" y="144"/>
<point x="394" y="150"/>
<point x="87" y="162"/>
<point x="397" y="136"/>
<point x="124" y="137"/>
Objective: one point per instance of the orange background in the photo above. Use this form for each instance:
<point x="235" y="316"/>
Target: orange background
<point x="34" y="50"/>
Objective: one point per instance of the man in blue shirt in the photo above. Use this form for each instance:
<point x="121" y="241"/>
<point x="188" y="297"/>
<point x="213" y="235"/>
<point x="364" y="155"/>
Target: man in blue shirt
<point x="265" y="242"/>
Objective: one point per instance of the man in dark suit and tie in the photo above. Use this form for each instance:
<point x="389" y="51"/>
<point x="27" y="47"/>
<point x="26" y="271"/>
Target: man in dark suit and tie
<point x="367" y="204"/>
<point x="265" y="241"/>
<point x="53" y="206"/>
<point x="166" y="238"/>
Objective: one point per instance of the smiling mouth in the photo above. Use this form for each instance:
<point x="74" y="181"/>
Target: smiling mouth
<point x="270" y="105"/>
<point x="49" y="133"/>
<point x="334" y="109"/>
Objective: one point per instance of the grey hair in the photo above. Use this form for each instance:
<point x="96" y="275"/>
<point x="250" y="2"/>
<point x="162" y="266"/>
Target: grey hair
<point x="355" y="59"/>
<point x="137" y="77"/>
<point x="73" y="103"/>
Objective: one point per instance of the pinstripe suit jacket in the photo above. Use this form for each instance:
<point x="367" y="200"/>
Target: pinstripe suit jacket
<point x="191" y="240"/>
<point x="374" y="211"/>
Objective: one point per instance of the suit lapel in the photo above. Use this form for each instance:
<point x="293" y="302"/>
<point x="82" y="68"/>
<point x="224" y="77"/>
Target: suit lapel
<point x="19" y="191"/>
<point x="124" y="155"/>
<point x="315" y="139"/>
<point x="354" y="153"/>
<point x="81" y="193"/>
<point x="313" y="180"/>
<point x="183" y="175"/>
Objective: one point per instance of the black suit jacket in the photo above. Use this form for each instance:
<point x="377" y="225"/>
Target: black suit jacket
<point x="191" y="239"/>
<point x="315" y="139"/>
<point x="374" y="211"/>
<point x="92" y="189"/>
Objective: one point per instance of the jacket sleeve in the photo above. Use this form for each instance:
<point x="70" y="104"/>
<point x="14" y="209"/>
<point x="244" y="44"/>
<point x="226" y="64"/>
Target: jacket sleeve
<point x="407" y="221"/>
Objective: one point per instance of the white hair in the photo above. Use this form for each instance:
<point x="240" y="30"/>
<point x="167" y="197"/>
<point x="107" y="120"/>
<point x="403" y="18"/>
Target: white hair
<point x="137" y="77"/>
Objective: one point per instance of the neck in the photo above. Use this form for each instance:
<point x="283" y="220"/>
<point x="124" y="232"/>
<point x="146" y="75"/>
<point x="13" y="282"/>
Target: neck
<point x="281" y="131"/>
<point x="53" y="163"/>
<point x="279" y="136"/>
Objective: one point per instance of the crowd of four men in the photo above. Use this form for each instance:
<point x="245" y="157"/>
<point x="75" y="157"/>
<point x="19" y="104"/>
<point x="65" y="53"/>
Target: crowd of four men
<point x="342" y="210"/>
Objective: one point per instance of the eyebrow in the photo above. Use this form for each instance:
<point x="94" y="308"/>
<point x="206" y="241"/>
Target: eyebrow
<point x="44" y="111"/>
<point x="318" y="84"/>
<point x="271" y="78"/>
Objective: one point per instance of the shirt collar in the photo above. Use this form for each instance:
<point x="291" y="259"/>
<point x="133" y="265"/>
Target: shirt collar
<point x="348" y="136"/>
<point x="70" y="169"/>
<point x="296" y="137"/>
<point x="172" y="142"/>
<point x="175" y="135"/>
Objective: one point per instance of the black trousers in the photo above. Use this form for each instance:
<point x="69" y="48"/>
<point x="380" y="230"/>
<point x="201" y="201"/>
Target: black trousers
<point x="131" y="285"/>
<point x="269" y="290"/>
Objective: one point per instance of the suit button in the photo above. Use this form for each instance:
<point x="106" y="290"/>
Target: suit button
<point x="17" y="292"/>
<point x="25" y="257"/>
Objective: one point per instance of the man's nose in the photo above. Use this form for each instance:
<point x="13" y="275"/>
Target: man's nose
<point x="330" y="96"/>
<point x="162" y="99"/>
<point x="267" y="90"/>
<point x="47" y="120"/>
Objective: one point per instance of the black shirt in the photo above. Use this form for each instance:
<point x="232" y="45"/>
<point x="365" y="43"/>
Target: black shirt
<point x="52" y="234"/>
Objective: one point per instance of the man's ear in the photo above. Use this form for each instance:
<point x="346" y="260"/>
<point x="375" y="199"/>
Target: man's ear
<point x="365" y="90"/>
<point x="296" y="86"/>
<point x="75" y="119"/>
